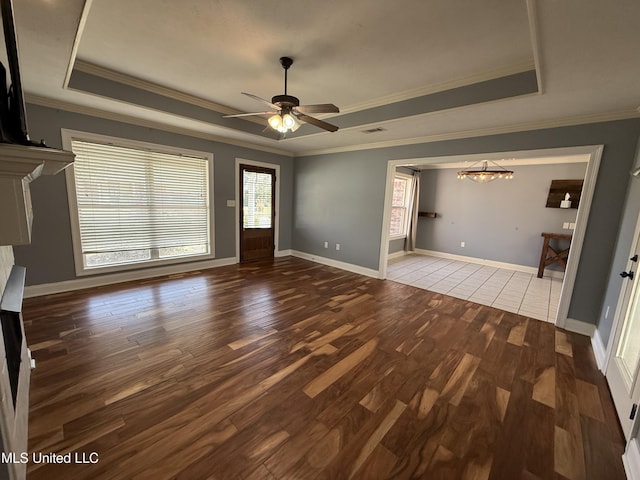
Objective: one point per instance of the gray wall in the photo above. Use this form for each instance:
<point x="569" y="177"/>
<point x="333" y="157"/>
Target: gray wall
<point x="339" y="201"/>
<point x="341" y="196"/>
<point x="49" y="257"/>
<point x="501" y="220"/>
<point x="396" y="245"/>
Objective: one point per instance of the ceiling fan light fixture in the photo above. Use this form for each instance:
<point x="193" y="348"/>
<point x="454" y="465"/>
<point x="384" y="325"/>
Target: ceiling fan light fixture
<point x="283" y="122"/>
<point x="286" y="111"/>
<point x="288" y="121"/>
<point x="275" y="122"/>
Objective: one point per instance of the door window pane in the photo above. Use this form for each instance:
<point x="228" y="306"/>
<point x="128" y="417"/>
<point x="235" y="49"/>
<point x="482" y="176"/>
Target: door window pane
<point x="257" y="199"/>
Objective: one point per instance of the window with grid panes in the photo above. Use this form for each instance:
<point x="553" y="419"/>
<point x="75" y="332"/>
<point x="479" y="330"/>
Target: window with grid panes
<point x="400" y="205"/>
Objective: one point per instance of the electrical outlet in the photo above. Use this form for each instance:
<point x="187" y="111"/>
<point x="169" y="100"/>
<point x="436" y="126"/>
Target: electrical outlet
<point x="462" y="244"/>
<point x="337" y="246"/>
<point x="565" y="225"/>
<point x="326" y="244"/>
<point x="572" y="226"/>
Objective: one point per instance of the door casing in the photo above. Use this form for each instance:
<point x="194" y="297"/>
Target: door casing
<point x="236" y="203"/>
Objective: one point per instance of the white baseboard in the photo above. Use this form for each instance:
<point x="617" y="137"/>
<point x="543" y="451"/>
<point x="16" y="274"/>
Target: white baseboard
<point x="401" y="253"/>
<point x="101" y="280"/>
<point x="349" y="267"/>
<point x="578" y="326"/>
<point x="283" y="253"/>
<point x="631" y="460"/>
<point x="490" y="263"/>
<point x="599" y="350"/>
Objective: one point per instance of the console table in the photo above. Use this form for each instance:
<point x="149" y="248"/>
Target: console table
<point x="549" y="255"/>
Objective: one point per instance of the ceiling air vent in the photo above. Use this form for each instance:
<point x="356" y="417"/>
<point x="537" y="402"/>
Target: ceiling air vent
<point x="374" y="130"/>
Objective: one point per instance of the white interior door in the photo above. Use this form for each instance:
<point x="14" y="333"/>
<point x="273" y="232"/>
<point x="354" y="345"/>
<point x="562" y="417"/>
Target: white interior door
<point x="624" y="361"/>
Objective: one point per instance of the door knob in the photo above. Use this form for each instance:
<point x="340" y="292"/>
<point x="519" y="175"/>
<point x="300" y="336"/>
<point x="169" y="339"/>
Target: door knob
<point x="628" y="274"/>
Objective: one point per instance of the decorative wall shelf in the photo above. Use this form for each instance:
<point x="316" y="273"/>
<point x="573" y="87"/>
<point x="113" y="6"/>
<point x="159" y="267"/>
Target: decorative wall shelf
<point x="19" y="166"/>
<point x="428" y="214"/>
<point x="558" y="190"/>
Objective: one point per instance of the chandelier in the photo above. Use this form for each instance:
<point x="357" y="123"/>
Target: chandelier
<point x="485" y="173"/>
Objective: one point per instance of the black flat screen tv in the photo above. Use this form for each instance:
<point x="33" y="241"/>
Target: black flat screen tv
<point x="13" y="119"/>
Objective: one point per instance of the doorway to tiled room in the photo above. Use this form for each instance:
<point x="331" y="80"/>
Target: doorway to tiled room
<point x="485" y="241"/>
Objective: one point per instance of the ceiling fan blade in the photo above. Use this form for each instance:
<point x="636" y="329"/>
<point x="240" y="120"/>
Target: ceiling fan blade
<point x="316" y="122"/>
<point x="320" y="108"/>
<point x="248" y="114"/>
<point x="267" y="102"/>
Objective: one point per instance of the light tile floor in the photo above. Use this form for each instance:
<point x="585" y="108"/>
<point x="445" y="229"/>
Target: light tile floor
<point x="509" y="290"/>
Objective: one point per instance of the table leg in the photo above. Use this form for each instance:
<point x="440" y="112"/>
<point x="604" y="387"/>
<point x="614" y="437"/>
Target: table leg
<point x="543" y="256"/>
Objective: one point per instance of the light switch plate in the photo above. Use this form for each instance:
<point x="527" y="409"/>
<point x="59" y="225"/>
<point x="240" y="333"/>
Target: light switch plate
<point x="231" y="203"/>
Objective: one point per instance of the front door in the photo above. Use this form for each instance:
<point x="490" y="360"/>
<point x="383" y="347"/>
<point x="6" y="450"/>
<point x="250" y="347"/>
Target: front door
<point x="622" y="368"/>
<point x="257" y="212"/>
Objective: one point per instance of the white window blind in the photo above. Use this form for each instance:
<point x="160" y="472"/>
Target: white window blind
<point x="136" y="204"/>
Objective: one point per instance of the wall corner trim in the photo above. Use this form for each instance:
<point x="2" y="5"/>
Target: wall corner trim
<point x="102" y="280"/>
<point x="599" y="350"/>
<point x="349" y="267"/>
<point x="631" y="460"/>
<point x="578" y="326"/>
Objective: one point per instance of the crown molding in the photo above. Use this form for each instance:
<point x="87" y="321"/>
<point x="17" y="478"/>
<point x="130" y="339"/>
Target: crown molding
<point x="440" y="87"/>
<point x="522" y="127"/>
<point x="135" y="82"/>
<point x="82" y="22"/>
<point x="400" y="119"/>
<point x="509" y="162"/>
<point x="118" y="117"/>
<point x="532" y="16"/>
<point x="563" y="122"/>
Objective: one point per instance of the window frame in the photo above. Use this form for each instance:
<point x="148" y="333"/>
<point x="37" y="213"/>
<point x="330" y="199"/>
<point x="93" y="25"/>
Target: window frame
<point x="81" y="270"/>
<point x="407" y="205"/>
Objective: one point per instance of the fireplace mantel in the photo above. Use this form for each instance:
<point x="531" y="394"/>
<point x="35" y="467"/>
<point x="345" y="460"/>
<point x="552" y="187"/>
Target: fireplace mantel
<point x="19" y="166"/>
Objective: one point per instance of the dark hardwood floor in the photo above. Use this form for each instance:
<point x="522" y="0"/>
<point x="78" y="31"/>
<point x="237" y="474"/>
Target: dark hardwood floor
<point x="289" y="369"/>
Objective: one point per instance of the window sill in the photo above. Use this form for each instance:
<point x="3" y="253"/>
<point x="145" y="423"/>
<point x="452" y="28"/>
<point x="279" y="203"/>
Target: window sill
<point x="142" y="265"/>
<point x="396" y="237"/>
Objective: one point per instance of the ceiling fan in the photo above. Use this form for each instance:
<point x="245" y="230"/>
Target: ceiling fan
<point x="286" y="111"/>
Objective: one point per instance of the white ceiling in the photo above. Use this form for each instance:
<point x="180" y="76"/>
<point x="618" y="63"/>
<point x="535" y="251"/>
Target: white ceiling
<point x="357" y="55"/>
